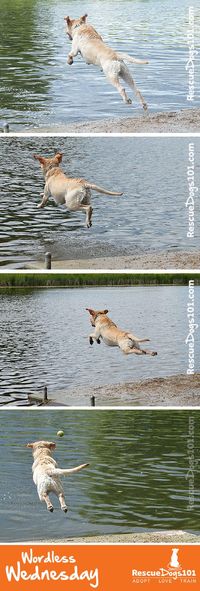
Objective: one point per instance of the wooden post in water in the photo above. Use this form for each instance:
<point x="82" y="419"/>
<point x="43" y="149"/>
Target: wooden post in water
<point x="92" y="400"/>
<point x="45" y="394"/>
<point x="48" y="260"/>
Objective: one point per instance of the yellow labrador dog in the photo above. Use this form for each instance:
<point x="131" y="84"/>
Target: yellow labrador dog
<point x="74" y="193"/>
<point x="113" y="336"/>
<point x="87" y="42"/>
<point x="46" y="474"/>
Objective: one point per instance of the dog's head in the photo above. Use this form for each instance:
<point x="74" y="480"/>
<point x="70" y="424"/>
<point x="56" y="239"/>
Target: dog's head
<point x="48" y="163"/>
<point x="37" y="445"/>
<point x="95" y="313"/>
<point x="73" y="24"/>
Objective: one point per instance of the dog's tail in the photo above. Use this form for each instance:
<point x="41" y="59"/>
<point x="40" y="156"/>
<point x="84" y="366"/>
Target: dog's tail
<point x="100" y="189"/>
<point x="128" y="58"/>
<point x="136" y="339"/>
<point x="66" y="472"/>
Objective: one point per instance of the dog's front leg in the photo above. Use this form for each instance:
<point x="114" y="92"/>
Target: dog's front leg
<point x="94" y="336"/>
<point x="45" y="197"/>
<point x="73" y="53"/>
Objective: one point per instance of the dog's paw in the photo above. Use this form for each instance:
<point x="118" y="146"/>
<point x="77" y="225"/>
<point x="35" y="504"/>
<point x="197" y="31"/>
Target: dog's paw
<point x="65" y="509"/>
<point x="50" y="509"/>
<point x="89" y="224"/>
<point x="70" y="60"/>
<point x="129" y="101"/>
<point x="40" y="206"/>
<point x="98" y="341"/>
<point x="145" y="106"/>
<point x="154" y="353"/>
<point x="91" y="341"/>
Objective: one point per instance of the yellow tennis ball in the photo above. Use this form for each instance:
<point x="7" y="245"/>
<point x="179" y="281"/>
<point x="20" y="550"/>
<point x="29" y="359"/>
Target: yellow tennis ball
<point x="60" y="433"/>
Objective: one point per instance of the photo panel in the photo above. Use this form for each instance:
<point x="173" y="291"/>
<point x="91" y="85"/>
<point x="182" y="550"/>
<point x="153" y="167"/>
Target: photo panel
<point x="55" y="199"/>
<point x="122" y="67"/>
<point x="105" y="339"/>
<point x="137" y="480"/>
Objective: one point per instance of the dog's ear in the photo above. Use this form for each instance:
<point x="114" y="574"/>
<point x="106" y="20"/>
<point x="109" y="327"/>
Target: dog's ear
<point x="29" y="445"/>
<point x="67" y="19"/>
<point x="105" y="311"/>
<point x="40" y="158"/>
<point x="59" y="156"/>
<point x="83" y="18"/>
<point x="92" y="312"/>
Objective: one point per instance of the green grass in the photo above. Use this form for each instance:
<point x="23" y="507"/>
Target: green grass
<point x="34" y="280"/>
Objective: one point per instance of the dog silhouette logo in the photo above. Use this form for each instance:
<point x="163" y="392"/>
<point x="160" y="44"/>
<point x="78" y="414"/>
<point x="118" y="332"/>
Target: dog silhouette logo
<point x="174" y="561"/>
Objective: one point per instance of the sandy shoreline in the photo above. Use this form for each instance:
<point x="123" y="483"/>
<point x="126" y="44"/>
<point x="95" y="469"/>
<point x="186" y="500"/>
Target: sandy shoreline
<point x="163" y="260"/>
<point x="160" y="537"/>
<point x="183" y="121"/>
<point x="178" y="390"/>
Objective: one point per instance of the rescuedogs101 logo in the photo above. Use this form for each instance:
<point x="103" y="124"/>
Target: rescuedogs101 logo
<point x="173" y="571"/>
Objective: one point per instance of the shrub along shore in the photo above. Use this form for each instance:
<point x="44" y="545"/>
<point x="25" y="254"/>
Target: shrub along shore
<point x="41" y="280"/>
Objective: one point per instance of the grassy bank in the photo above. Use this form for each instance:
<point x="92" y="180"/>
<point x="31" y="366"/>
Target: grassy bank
<point x="19" y="280"/>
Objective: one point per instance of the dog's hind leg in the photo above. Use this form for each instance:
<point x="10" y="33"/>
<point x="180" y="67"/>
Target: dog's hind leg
<point x="147" y="352"/>
<point x="127" y="350"/>
<point x="88" y="210"/>
<point x="129" y="345"/>
<point x="46" y="498"/>
<point x="62" y="502"/>
<point x="114" y="80"/>
<point x="125" y="74"/>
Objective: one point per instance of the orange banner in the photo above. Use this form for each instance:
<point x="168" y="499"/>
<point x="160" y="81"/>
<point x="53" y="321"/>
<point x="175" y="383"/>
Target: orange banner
<point x="105" y="568"/>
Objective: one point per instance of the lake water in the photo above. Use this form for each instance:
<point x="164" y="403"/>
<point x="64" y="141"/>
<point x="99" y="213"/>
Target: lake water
<point x="146" y="489"/>
<point x="44" y="336"/>
<point x="151" y="215"/>
<point x="37" y="86"/>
